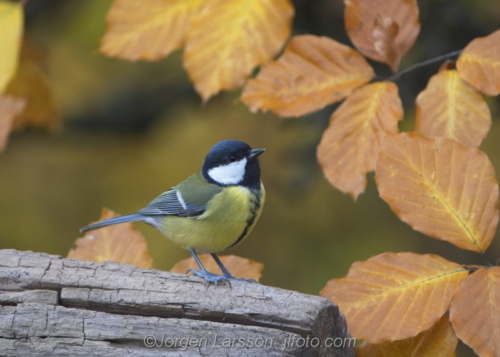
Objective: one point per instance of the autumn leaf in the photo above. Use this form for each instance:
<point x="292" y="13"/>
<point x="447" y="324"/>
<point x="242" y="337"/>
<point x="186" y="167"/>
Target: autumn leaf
<point x="452" y="108"/>
<point x="479" y="63"/>
<point x="350" y="145"/>
<point x="439" y="340"/>
<point x="475" y="311"/>
<point x="121" y="243"/>
<point x="31" y="83"/>
<point x="394" y="296"/>
<point x="383" y="30"/>
<point x="384" y="33"/>
<point x="10" y="107"/>
<point x="311" y="73"/>
<point x="11" y="30"/>
<point x="237" y="266"/>
<point x="440" y="188"/>
<point x="230" y="37"/>
<point x="147" y="29"/>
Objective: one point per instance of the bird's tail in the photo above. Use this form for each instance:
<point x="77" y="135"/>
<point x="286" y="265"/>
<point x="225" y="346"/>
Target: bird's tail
<point x="111" y="221"/>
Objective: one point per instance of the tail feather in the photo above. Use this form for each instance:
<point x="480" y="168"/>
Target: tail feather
<point x="122" y="219"/>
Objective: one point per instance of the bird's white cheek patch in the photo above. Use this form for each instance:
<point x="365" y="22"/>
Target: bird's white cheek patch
<point x="230" y="174"/>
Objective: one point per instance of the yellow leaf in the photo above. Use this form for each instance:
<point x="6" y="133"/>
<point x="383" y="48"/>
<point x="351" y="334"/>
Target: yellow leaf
<point x="311" y="73"/>
<point x="475" y="311"/>
<point x="10" y="107"/>
<point x="394" y="296"/>
<point x="440" y="188"/>
<point x="230" y="37"/>
<point x="440" y="340"/>
<point x="452" y="108"/>
<point x="31" y="83"/>
<point x="121" y="243"/>
<point x="479" y="63"/>
<point x="147" y="29"/>
<point x="350" y="145"/>
<point x="11" y="29"/>
<point x="383" y="30"/>
<point x="237" y="266"/>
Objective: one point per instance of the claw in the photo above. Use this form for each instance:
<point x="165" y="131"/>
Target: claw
<point x="230" y="277"/>
<point x="248" y="280"/>
<point x="210" y="277"/>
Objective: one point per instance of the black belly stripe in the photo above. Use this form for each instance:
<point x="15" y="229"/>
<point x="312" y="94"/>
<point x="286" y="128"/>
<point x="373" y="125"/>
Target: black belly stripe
<point x="253" y="214"/>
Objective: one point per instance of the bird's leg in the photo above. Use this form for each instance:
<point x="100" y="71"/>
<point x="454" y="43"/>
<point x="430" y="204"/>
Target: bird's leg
<point x="203" y="273"/>
<point x="226" y="272"/>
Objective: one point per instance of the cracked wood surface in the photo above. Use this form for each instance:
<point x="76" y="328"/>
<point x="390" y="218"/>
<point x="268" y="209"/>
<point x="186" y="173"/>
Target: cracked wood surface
<point x="51" y="306"/>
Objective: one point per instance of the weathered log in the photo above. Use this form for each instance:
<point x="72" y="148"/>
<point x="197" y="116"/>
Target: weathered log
<point x="52" y="306"/>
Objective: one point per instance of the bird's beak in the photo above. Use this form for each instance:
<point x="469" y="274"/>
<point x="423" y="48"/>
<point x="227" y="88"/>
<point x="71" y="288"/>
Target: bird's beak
<point x="255" y="153"/>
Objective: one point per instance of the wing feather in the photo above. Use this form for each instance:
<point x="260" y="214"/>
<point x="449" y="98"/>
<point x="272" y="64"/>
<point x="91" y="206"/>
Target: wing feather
<point x="168" y="204"/>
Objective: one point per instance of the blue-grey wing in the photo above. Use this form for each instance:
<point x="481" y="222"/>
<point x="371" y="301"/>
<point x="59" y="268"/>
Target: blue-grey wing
<point x="171" y="203"/>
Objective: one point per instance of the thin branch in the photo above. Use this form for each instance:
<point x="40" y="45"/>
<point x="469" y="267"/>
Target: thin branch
<point x="395" y="77"/>
<point x="485" y="260"/>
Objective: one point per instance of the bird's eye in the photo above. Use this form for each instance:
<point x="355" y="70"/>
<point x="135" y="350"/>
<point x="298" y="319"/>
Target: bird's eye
<point x="232" y="158"/>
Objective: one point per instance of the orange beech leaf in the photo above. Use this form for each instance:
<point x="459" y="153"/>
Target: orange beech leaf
<point x="311" y="73"/>
<point x="11" y="31"/>
<point x="439" y="340"/>
<point x="230" y="37"/>
<point x="237" y="266"/>
<point x="9" y="108"/>
<point x="448" y="65"/>
<point x="147" y="29"/>
<point x="452" y="108"/>
<point x="31" y="83"/>
<point x="394" y="296"/>
<point x="475" y="311"/>
<point x="121" y="243"/>
<point x="384" y="33"/>
<point x="441" y="188"/>
<point x="349" y="147"/>
<point x="383" y="30"/>
<point x="479" y="63"/>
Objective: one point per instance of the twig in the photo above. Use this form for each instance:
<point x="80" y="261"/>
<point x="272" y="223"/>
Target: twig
<point x="485" y="260"/>
<point x="395" y="77"/>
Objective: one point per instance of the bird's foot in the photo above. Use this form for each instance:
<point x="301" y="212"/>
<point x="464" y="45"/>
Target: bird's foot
<point x="210" y="277"/>
<point x="240" y="279"/>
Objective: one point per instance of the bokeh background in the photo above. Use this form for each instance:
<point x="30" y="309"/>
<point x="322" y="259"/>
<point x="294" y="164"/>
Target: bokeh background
<point x="132" y="130"/>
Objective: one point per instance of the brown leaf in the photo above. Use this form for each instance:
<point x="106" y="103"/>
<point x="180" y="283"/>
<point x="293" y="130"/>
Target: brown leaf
<point x="9" y="108"/>
<point x="394" y="296"/>
<point x="452" y="108"/>
<point x="383" y="30"/>
<point x="448" y="65"/>
<point x="121" y="243"/>
<point x="147" y="29"/>
<point x="11" y="32"/>
<point x="440" y="340"/>
<point x="440" y="188"/>
<point x="475" y="311"/>
<point x="311" y="73"/>
<point x="384" y="34"/>
<point x="31" y="83"/>
<point x="479" y="63"/>
<point x="230" y="37"/>
<point x="237" y="266"/>
<point x="349" y="147"/>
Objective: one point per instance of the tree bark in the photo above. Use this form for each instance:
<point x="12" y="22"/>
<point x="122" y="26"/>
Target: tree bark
<point x="51" y="306"/>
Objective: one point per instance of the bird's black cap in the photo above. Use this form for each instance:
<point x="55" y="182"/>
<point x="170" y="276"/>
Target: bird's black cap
<point x="228" y="152"/>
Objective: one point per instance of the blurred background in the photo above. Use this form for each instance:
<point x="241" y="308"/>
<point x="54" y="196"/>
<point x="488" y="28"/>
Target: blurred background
<point x="132" y="130"/>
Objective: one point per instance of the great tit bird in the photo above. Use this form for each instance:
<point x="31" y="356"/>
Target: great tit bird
<point x="212" y="210"/>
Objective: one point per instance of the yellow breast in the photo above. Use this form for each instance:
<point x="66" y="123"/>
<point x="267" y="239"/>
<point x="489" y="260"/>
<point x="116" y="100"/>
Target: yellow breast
<point x="228" y="219"/>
